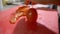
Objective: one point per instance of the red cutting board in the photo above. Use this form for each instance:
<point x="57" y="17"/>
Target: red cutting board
<point x="47" y="20"/>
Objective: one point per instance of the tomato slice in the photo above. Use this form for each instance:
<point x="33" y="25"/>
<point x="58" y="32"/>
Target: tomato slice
<point x="30" y="13"/>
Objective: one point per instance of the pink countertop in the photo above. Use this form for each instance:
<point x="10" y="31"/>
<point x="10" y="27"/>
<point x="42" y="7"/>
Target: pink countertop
<point x="48" y="18"/>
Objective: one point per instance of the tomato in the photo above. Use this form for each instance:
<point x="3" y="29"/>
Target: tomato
<point x="32" y="15"/>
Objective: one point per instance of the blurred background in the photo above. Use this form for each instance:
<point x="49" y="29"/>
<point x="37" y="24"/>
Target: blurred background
<point x="5" y="4"/>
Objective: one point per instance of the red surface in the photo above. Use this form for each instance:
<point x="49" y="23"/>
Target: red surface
<point x="47" y="23"/>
